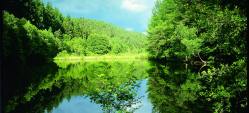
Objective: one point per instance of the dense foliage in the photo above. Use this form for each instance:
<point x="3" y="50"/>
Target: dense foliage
<point x="34" y="31"/>
<point x="41" y="15"/>
<point x="185" y="28"/>
<point x="25" y="42"/>
<point x="97" y="37"/>
<point x="208" y="32"/>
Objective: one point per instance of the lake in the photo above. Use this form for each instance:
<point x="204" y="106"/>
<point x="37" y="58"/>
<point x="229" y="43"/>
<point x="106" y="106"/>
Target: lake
<point x="137" y="86"/>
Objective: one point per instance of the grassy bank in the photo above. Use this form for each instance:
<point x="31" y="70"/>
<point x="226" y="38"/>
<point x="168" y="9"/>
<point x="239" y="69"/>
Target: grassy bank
<point x="107" y="57"/>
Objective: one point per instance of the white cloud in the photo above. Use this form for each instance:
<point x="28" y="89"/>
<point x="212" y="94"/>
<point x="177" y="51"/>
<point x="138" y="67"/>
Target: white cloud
<point x="134" y="5"/>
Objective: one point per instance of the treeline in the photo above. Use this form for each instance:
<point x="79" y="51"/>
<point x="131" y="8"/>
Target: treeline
<point x="35" y="30"/>
<point x="23" y="41"/>
<point x="211" y="30"/>
<point x="43" y="16"/>
<point x="86" y="37"/>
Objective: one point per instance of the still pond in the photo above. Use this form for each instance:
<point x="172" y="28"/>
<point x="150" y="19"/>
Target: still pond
<point x="138" y="86"/>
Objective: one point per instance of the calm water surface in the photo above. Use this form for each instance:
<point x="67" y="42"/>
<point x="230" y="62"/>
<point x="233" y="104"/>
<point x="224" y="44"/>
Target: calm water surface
<point x="101" y="87"/>
<point x="83" y="104"/>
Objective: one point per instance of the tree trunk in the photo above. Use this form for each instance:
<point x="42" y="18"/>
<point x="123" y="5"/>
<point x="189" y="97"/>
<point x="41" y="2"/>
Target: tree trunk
<point x="201" y="58"/>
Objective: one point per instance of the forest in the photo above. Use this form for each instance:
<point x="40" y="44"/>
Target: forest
<point x="40" y="32"/>
<point x="210" y="35"/>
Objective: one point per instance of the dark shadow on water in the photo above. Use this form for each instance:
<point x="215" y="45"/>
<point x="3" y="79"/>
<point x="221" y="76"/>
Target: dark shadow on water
<point x="17" y="78"/>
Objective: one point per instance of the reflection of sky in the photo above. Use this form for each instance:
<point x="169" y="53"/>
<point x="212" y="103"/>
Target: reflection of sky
<point x="129" y="14"/>
<point x="146" y="105"/>
<point x="81" y="104"/>
<point x="77" y="104"/>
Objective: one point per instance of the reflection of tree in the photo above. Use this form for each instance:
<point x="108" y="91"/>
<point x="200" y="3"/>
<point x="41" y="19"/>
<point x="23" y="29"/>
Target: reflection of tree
<point x="172" y="89"/>
<point x="215" y="89"/>
<point x="112" y="85"/>
<point x="17" y="79"/>
<point x="224" y="87"/>
<point x="117" y="98"/>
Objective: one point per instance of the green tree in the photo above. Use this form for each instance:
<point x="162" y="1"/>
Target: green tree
<point x="77" y="45"/>
<point x="25" y="42"/>
<point x="98" y="44"/>
<point x="184" y="28"/>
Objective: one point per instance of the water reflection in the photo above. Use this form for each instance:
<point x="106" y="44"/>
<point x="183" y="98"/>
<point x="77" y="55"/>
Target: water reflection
<point x="177" y="88"/>
<point x="113" y="86"/>
<point x="172" y="89"/>
<point x="120" y="87"/>
<point x="18" y="81"/>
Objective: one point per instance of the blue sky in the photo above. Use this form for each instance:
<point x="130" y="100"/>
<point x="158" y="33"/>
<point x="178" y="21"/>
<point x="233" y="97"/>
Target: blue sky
<point x="129" y="14"/>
